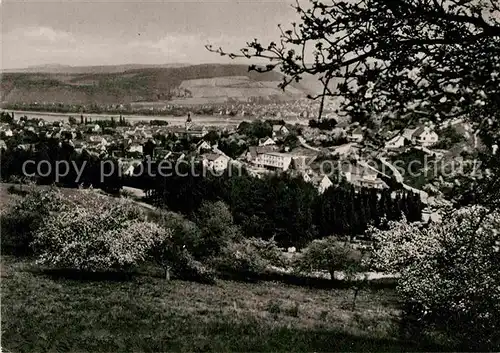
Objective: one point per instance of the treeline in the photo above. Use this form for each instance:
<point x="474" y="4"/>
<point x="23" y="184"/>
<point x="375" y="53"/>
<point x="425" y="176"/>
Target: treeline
<point x="40" y="160"/>
<point x="212" y="109"/>
<point x="280" y="206"/>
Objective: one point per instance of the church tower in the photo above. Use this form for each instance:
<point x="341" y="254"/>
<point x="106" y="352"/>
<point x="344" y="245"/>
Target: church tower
<point x="189" y="122"/>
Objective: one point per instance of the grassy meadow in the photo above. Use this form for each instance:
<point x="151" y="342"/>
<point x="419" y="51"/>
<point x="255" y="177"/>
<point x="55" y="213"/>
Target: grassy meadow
<point x="46" y="310"/>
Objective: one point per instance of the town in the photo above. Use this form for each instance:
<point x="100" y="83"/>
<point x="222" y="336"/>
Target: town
<point x="264" y="176"/>
<point x="261" y="146"/>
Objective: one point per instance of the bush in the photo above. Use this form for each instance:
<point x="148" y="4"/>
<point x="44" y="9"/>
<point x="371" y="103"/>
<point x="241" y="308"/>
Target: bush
<point x="25" y="217"/>
<point x="105" y="234"/>
<point x="449" y="273"/>
<point x="329" y="254"/>
<point x="175" y="253"/>
<point x="185" y="233"/>
<point x="217" y="229"/>
<point x="250" y="255"/>
<point x="324" y="124"/>
<point x="187" y="267"/>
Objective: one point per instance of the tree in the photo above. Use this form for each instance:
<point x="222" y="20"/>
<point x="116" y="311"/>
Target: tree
<point x="395" y="62"/>
<point x="250" y="256"/>
<point x="6" y="117"/>
<point x="20" y="222"/>
<point x="291" y="141"/>
<point x="95" y="233"/>
<point x="217" y="228"/>
<point x="449" y="273"/>
<point x="333" y="255"/>
<point x="72" y="120"/>
<point x="176" y="252"/>
<point x="257" y="129"/>
<point x="329" y="254"/>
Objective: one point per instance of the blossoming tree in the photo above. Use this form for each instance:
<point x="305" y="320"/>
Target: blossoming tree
<point x="450" y="272"/>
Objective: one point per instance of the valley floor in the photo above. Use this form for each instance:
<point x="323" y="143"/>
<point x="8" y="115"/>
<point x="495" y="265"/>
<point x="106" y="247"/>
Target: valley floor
<point x="57" y="311"/>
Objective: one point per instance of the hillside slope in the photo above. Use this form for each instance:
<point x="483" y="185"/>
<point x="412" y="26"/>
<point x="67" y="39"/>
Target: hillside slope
<point x="67" y="69"/>
<point x="144" y="84"/>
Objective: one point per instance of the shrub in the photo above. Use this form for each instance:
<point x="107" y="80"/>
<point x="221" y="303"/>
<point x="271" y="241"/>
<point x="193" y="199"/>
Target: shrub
<point x="217" y="229"/>
<point x="329" y="254"/>
<point x="105" y="234"/>
<point x="251" y="255"/>
<point x="19" y="222"/>
<point x="185" y="233"/>
<point x="174" y="253"/>
<point x="449" y="273"/>
<point x="187" y="267"/>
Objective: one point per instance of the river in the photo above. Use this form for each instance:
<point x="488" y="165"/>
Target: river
<point x="207" y="120"/>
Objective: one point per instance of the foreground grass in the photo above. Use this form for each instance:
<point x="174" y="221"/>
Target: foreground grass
<point x="42" y="311"/>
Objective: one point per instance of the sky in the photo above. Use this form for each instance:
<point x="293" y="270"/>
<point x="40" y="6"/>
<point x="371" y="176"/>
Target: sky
<point x="109" y="32"/>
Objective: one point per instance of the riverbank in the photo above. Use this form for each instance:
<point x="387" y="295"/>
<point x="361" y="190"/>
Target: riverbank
<point x="207" y="120"/>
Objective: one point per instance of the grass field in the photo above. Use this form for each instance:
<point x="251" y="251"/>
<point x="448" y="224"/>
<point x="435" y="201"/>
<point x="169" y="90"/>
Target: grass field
<point x="57" y="311"/>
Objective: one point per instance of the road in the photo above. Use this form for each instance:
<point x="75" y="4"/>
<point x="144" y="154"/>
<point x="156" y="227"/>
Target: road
<point x="424" y="196"/>
<point x="306" y="145"/>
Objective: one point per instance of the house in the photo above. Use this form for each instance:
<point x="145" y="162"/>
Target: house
<point x="203" y="146"/>
<point x="280" y="131"/>
<point x="176" y="130"/>
<point x="8" y="132"/>
<point x="216" y="161"/>
<point x="356" y="135"/>
<point x="321" y="182"/>
<point x="362" y="177"/>
<point x="408" y="133"/>
<point x="266" y="141"/>
<point x="395" y="142"/>
<point x="128" y="166"/>
<point x="94" y="138"/>
<point x="424" y="136"/>
<point x="430" y="215"/>
<point x="196" y="131"/>
<point x="274" y="160"/>
<point x="254" y="152"/>
<point x="27" y="146"/>
<point x="135" y="148"/>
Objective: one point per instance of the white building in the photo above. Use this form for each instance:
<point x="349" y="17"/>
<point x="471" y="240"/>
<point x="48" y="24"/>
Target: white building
<point x="203" y="146"/>
<point x="216" y="161"/>
<point x="322" y="183"/>
<point x="424" y="136"/>
<point x="275" y="160"/>
<point x="356" y="135"/>
<point x="135" y="148"/>
<point x="362" y="177"/>
<point x="266" y="141"/>
<point x="280" y="131"/>
<point x="395" y="142"/>
<point x="430" y="215"/>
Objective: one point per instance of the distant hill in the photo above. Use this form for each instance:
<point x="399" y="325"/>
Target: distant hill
<point x="66" y="69"/>
<point x="139" y="83"/>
